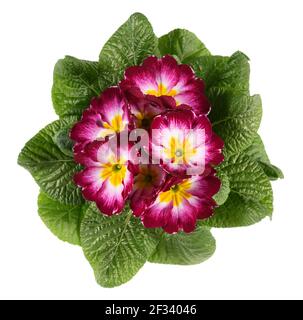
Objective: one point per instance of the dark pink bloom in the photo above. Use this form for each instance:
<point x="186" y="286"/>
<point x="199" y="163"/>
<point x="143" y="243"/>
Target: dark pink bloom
<point x="108" y="115"/>
<point x="166" y="173"/>
<point x="183" y="141"/>
<point x="106" y="178"/>
<point x="145" y="108"/>
<point x="164" y="77"/>
<point x="181" y="202"/>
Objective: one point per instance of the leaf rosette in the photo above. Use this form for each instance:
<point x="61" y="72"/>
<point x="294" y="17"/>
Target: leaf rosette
<point x="125" y="212"/>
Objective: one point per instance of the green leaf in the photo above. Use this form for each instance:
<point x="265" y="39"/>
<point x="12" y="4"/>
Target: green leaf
<point x="224" y="191"/>
<point x="183" y="44"/>
<point x="273" y="172"/>
<point x="129" y="46"/>
<point x="235" y="115"/>
<point x="236" y="119"/>
<point x="250" y="199"/>
<point x="64" y="142"/>
<point x="117" y="247"/>
<point x="52" y="169"/>
<point x="75" y="83"/>
<point x="223" y="73"/>
<point x="257" y="152"/>
<point x="62" y="219"/>
<point x="185" y="249"/>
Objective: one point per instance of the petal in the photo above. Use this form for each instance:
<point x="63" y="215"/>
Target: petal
<point x="169" y="74"/>
<point x="103" y="152"/>
<point x="175" y="168"/>
<point x="139" y="201"/>
<point x="195" y="99"/>
<point x="186" y="74"/>
<point x="204" y="187"/>
<point x="79" y="147"/>
<point x="113" y="108"/>
<point x="106" y="116"/>
<point x="89" y="128"/>
<point x="176" y="119"/>
<point x="128" y="183"/>
<point x="156" y="215"/>
<point x="90" y="191"/>
<point x="90" y="181"/>
<point x="202" y="123"/>
<point x="214" y="148"/>
<point x="206" y="209"/>
<point x="183" y="217"/>
<point x="144" y="192"/>
<point x="145" y="109"/>
<point x="152" y="64"/>
<point x="109" y="199"/>
<point x="87" y="176"/>
<point x="141" y="77"/>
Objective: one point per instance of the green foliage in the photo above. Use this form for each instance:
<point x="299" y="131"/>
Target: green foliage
<point x="117" y="247"/>
<point x="51" y="168"/>
<point x="182" y="44"/>
<point x="62" y="219"/>
<point x="128" y="46"/>
<point x="185" y="249"/>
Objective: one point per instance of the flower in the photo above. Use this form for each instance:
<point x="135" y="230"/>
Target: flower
<point x="147" y="183"/>
<point x="144" y="108"/>
<point x="185" y="143"/>
<point x="174" y="187"/>
<point x="181" y="202"/>
<point x="164" y="77"/>
<point x="106" y="178"/>
<point x="107" y="116"/>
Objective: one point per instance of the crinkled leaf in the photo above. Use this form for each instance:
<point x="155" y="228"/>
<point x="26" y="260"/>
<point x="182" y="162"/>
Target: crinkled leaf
<point x="185" y="249"/>
<point x="64" y="142"/>
<point x="75" y="83"/>
<point x="51" y="168"/>
<point x="116" y="247"/>
<point x="128" y="46"/>
<point x="273" y="172"/>
<point x="250" y="199"/>
<point x="223" y="73"/>
<point x="183" y="44"/>
<point x="236" y="120"/>
<point x="62" y="219"/>
<point x="257" y="152"/>
<point x="224" y="191"/>
<point x="235" y="115"/>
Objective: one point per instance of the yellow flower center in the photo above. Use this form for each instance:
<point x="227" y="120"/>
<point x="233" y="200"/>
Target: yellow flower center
<point x="114" y="172"/>
<point x="176" y="194"/>
<point x="162" y="91"/>
<point x="180" y="151"/>
<point x="116" y="124"/>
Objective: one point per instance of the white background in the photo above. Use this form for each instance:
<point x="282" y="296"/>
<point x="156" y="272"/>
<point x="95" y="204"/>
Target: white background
<point x="260" y="262"/>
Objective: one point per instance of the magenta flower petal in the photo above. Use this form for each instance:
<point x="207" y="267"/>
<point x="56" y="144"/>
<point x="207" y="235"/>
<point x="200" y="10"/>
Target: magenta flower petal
<point x="106" y="178"/>
<point x="168" y="101"/>
<point x="111" y="197"/>
<point x="164" y="77"/>
<point x="90" y="180"/>
<point x="144" y="111"/>
<point x="107" y="116"/>
<point x="181" y="202"/>
<point x="181" y="142"/>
